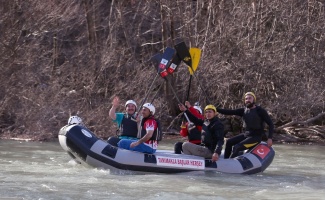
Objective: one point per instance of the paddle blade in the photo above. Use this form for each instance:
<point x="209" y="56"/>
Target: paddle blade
<point x="174" y="64"/>
<point x="165" y="61"/>
<point x="196" y="56"/>
<point x="156" y="59"/>
<point x="184" y="53"/>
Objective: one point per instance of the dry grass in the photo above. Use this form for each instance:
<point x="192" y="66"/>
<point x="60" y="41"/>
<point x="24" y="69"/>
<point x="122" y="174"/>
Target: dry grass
<point x="72" y="57"/>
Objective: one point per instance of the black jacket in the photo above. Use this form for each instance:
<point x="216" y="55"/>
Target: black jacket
<point x="212" y="134"/>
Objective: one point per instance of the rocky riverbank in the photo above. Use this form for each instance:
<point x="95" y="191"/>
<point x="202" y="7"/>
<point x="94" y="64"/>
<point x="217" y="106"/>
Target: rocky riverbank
<point x="277" y="139"/>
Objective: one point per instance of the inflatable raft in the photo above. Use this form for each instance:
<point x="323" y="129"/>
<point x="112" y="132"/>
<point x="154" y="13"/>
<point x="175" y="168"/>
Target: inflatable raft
<point x="86" y="148"/>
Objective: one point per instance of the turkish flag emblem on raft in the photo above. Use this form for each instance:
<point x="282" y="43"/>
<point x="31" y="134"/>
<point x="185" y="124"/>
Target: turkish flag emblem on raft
<point x="261" y="151"/>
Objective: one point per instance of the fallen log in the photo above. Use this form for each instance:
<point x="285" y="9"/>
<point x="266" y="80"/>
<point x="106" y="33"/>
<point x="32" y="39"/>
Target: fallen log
<point x="304" y="123"/>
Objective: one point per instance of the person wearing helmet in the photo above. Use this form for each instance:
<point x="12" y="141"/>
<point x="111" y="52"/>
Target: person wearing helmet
<point x="148" y="133"/>
<point x="254" y="117"/>
<point x="75" y="120"/>
<point x="212" y="134"/>
<point x="126" y="122"/>
<point x="188" y="129"/>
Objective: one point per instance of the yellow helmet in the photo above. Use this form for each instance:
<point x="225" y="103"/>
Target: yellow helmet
<point x="211" y="107"/>
<point x="250" y="93"/>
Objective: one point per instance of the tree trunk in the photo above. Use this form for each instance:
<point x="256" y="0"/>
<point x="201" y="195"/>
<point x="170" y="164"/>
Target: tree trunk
<point x="92" y="18"/>
<point x="165" y="23"/>
<point x="88" y="4"/>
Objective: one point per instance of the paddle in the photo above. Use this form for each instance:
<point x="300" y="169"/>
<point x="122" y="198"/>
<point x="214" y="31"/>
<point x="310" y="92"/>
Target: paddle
<point x="154" y="97"/>
<point x="165" y="61"/>
<point x="174" y="64"/>
<point x="170" y="69"/>
<point x="185" y="56"/>
<point x="195" y="56"/>
<point x="184" y="53"/>
<point x="163" y="68"/>
<point x="156" y="59"/>
<point x="161" y="61"/>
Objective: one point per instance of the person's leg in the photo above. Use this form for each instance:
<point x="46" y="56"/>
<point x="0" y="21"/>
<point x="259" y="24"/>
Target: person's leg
<point x="197" y="150"/>
<point x="125" y="144"/>
<point x="113" y="141"/>
<point x="245" y="144"/>
<point x="231" y="142"/>
<point x="143" y="148"/>
<point x="178" y="148"/>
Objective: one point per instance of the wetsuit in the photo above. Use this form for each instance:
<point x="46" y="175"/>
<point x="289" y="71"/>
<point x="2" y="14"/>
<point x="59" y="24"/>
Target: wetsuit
<point x="253" y="123"/>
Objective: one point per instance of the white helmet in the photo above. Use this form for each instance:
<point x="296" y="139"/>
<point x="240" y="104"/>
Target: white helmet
<point x="150" y="107"/>
<point x="198" y="108"/>
<point x="131" y="102"/>
<point x="74" y="120"/>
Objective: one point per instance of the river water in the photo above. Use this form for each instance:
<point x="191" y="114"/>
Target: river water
<point x="33" y="170"/>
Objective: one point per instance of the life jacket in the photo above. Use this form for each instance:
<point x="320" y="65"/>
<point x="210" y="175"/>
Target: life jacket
<point x="207" y="138"/>
<point x="157" y="134"/>
<point x="252" y="121"/>
<point x="129" y="126"/>
<point x="159" y="131"/>
<point x="193" y="133"/>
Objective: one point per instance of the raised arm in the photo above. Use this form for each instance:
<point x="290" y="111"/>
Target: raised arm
<point x="239" y="111"/>
<point x="112" y="111"/>
<point x="191" y="117"/>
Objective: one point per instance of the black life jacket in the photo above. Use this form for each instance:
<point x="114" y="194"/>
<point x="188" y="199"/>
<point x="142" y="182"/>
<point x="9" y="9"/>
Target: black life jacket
<point x="129" y="126"/>
<point x="193" y="133"/>
<point x="159" y="131"/>
<point x="157" y="134"/>
<point x="207" y="138"/>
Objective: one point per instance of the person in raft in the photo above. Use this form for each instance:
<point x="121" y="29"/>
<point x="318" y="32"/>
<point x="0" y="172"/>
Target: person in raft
<point x="126" y="122"/>
<point x="189" y="130"/>
<point x="254" y="117"/>
<point x="212" y="134"/>
<point x="149" y="133"/>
